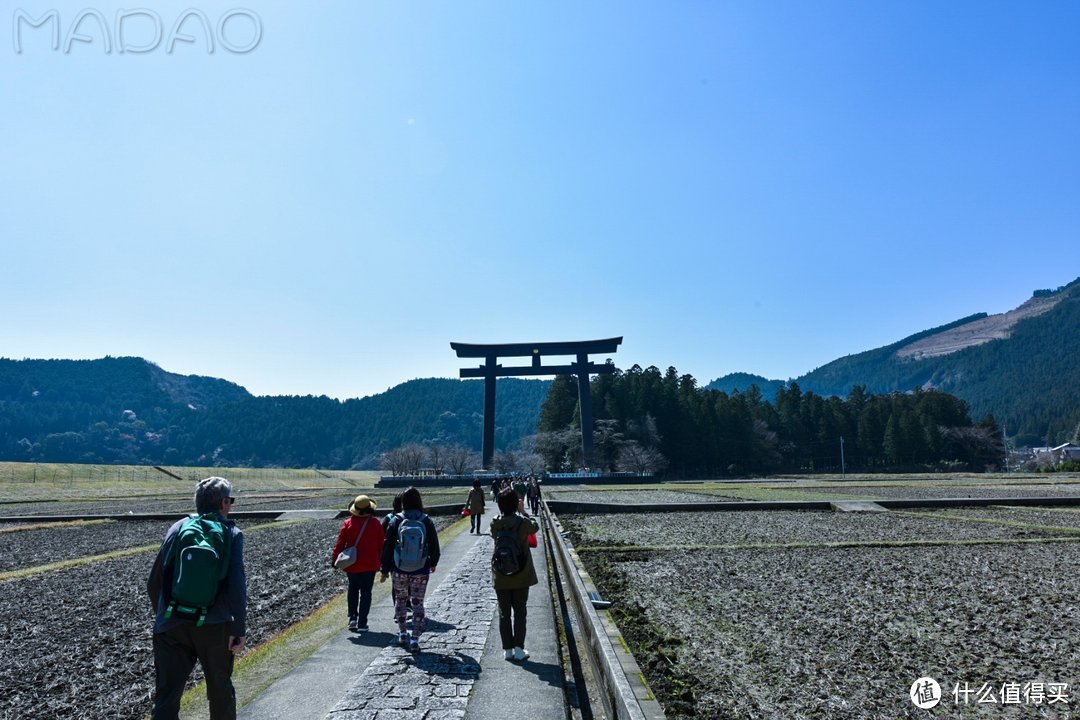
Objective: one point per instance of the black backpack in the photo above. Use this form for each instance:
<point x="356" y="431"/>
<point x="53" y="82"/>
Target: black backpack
<point x="509" y="557"/>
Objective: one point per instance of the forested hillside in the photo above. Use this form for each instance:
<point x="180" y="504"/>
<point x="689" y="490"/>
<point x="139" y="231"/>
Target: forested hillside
<point x="1029" y="380"/>
<point x="127" y="410"/>
<point x="741" y="382"/>
<point x="707" y="433"/>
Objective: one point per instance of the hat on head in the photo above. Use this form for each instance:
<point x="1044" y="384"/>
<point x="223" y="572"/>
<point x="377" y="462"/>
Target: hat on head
<point x="362" y="504"/>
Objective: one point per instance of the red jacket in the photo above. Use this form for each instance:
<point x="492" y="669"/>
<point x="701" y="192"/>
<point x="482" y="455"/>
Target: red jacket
<point x="370" y="547"/>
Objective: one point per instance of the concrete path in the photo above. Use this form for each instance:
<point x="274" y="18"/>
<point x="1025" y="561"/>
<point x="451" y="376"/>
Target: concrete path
<point x="459" y="672"/>
<point x="533" y="688"/>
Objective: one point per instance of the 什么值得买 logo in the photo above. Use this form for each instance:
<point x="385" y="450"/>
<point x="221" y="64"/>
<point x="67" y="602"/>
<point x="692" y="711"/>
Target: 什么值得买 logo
<point x="925" y="693"/>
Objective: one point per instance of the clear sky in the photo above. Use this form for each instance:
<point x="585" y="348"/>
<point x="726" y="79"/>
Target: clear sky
<point x="731" y="186"/>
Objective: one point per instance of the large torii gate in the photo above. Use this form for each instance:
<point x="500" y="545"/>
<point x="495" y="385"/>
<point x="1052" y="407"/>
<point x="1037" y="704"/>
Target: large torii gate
<point x="582" y="367"/>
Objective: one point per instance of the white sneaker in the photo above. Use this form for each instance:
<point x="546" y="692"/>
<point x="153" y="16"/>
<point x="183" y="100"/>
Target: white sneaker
<point x="521" y="654"/>
<point x="508" y="654"/>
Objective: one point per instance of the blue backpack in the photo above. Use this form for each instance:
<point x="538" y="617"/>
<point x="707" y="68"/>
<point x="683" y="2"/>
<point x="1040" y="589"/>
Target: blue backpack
<point x="411" y="553"/>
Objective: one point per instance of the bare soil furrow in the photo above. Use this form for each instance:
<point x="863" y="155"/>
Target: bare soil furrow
<point x="835" y="632"/>
<point x="77" y="642"/>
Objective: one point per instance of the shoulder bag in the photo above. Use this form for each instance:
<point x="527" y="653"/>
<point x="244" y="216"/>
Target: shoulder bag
<point x="347" y="557"/>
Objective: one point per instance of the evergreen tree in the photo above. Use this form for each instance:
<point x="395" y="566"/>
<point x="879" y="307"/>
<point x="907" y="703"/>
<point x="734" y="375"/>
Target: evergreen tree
<point x="559" y="409"/>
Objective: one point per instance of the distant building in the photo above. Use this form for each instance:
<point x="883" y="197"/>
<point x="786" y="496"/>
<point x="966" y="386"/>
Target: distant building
<point x="1068" y="452"/>
<point x="1051" y="456"/>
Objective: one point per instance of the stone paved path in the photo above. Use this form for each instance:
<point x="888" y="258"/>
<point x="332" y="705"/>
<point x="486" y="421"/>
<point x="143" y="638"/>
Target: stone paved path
<point x="435" y="683"/>
<point x="460" y="671"/>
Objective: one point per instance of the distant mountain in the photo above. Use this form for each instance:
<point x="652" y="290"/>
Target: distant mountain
<point x="120" y="383"/>
<point x="128" y="410"/>
<point x="324" y="432"/>
<point x="741" y="382"/>
<point x="1023" y="366"/>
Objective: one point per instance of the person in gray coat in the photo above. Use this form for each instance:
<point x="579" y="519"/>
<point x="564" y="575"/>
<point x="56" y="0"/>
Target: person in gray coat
<point x="213" y="637"/>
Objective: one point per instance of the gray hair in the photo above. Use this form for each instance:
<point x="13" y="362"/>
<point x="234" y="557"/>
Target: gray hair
<point x="210" y="492"/>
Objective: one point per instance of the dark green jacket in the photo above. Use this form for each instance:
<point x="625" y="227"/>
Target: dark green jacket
<point x="527" y="577"/>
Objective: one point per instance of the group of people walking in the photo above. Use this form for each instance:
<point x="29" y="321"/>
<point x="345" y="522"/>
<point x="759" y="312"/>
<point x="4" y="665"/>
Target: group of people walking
<point x="404" y="546"/>
<point x="527" y="488"/>
<point x="198" y="583"/>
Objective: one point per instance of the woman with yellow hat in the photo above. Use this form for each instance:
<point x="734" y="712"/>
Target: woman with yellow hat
<point x="362" y="531"/>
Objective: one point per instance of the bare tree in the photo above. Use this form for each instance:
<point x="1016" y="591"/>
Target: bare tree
<point x="561" y="450"/>
<point x="461" y="460"/>
<point x="979" y="446"/>
<point x="505" y="461"/>
<point x="414" y="454"/>
<point x="394" y="461"/>
<point x="531" y="463"/>
<point x="635" y="457"/>
<point x="436" y="453"/>
<point x="404" y="460"/>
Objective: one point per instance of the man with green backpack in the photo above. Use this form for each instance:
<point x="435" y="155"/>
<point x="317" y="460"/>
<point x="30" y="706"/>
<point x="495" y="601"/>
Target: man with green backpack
<point x="199" y="591"/>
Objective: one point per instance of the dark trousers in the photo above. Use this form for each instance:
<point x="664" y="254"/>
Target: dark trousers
<point x="359" y="596"/>
<point x="474" y="522"/>
<point x="175" y="653"/>
<point x="512" y="631"/>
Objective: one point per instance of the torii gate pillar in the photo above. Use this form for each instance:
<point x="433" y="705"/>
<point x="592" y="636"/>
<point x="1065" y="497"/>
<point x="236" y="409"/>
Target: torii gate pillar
<point x="583" y="368"/>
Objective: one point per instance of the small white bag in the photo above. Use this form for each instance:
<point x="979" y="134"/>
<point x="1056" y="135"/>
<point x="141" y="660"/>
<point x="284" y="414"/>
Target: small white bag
<point x="347" y="557"/>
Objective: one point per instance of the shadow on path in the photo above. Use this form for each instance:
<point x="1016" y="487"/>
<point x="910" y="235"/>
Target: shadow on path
<point x="373" y="639"/>
<point x="457" y="666"/>
<point x="548" y="672"/>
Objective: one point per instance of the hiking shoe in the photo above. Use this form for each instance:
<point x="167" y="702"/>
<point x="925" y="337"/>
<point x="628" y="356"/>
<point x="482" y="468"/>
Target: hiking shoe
<point x="521" y="654"/>
<point x="361" y="628"/>
<point x="403" y="639"/>
<point x="352" y="623"/>
<point x="508" y="654"/>
<point x="414" y="645"/>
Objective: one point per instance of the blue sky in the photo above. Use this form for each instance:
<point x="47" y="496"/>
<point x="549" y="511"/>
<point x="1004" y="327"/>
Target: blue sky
<point x="731" y="186"/>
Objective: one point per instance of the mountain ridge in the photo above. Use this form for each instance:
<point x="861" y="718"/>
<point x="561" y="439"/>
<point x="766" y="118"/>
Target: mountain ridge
<point x="129" y="410"/>
<point x="979" y="331"/>
<point x="1022" y="366"/>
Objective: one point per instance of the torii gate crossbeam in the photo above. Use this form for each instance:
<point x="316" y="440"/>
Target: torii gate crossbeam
<point x="582" y="367"/>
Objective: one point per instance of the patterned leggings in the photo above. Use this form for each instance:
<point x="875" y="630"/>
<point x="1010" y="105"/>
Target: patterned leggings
<point x="410" y="588"/>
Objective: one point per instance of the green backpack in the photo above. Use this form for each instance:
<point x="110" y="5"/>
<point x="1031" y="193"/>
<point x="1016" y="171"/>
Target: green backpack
<point x="200" y="561"/>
